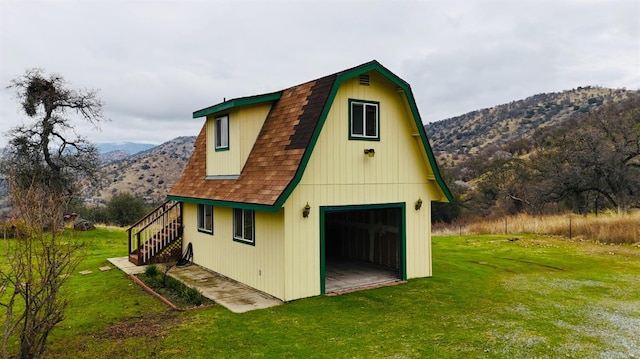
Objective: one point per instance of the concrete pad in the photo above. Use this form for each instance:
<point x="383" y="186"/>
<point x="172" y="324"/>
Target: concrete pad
<point x="124" y="265"/>
<point x="104" y="269"/>
<point x="231" y="294"/>
<point x="86" y="272"/>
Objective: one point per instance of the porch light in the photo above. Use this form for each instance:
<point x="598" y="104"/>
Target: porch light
<point x="418" y="204"/>
<point x="370" y="152"/>
<point x="306" y="210"/>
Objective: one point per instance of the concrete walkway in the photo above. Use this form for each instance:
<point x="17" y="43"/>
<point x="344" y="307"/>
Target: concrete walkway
<point x="233" y="295"/>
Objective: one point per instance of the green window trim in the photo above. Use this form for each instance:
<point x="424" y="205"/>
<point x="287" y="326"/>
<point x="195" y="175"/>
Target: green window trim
<point x="364" y="120"/>
<point x="222" y="133"/>
<point x="244" y="226"/>
<point x="205" y="218"/>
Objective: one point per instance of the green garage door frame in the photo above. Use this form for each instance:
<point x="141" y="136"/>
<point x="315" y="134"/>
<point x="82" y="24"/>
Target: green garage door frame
<point x="403" y="238"/>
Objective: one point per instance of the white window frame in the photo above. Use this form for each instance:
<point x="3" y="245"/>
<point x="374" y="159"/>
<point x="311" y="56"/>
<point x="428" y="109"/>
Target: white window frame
<point x="352" y="120"/>
<point x="202" y="218"/>
<point x="248" y="218"/>
<point x="222" y="132"/>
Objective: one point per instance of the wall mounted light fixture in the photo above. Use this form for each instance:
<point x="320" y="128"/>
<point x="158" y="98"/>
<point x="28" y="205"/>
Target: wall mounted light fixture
<point x="418" y="204"/>
<point x="306" y="210"/>
<point x="370" y="152"/>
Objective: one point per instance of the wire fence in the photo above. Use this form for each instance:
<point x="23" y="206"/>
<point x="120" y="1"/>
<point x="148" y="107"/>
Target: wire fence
<point x="610" y="228"/>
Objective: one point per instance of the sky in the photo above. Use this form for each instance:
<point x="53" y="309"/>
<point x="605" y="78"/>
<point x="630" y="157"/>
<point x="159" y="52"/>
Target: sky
<point x="156" y="62"/>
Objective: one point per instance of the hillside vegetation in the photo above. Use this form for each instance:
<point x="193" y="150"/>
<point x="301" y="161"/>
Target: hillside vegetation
<point x="148" y="174"/>
<point x="575" y="151"/>
<point x="460" y="137"/>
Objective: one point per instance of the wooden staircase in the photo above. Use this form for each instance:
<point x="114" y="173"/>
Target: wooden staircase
<point x="158" y="236"/>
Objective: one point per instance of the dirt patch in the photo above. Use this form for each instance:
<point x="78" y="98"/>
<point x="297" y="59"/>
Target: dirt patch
<point x="149" y="326"/>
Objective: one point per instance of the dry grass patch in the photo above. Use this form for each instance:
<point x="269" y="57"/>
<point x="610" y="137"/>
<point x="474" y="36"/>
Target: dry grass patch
<point x="604" y="228"/>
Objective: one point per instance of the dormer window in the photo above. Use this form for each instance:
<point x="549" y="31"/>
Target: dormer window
<point x="364" y="121"/>
<point x="222" y="133"/>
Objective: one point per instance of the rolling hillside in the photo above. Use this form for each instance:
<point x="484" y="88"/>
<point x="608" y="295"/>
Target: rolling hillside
<point x="457" y="138"/>
<point x="148" y="174"/>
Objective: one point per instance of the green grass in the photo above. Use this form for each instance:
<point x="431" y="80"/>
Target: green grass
<point x="489" y="297"/>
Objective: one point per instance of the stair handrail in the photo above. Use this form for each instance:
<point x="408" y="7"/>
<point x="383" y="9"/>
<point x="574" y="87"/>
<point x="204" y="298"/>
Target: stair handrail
<point x="152" y="217"/>
<point x="153" y="211"/>
<point x="152" y="222"/>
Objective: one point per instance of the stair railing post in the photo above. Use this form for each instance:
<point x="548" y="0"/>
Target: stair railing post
<point x="139" y="249"/>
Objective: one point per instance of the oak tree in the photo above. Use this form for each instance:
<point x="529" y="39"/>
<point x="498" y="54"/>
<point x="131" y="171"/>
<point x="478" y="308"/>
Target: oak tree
<point x="47" y="149"/>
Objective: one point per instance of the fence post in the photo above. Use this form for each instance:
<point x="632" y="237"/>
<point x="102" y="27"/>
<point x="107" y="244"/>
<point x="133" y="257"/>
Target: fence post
<point x="506" y="230"/>
<point x="570" y="234"/>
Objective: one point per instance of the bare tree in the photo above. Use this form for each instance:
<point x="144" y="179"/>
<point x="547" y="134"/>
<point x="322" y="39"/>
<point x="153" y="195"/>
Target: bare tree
<point x="40" y="259"/>
<point x="47" y="150"/>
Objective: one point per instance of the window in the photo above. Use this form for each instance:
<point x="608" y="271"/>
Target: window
<point x="222" y="133"/>
<point x="243" y="226"/>
<point x="364" y="120"/>
<point x="205" y="218"/>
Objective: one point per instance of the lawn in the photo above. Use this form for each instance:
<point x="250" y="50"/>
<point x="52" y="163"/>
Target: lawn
<point x="490" y="296"/>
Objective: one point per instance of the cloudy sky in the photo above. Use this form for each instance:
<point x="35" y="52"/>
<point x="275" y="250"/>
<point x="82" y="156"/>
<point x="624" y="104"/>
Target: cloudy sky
<point x="155" y="62"/>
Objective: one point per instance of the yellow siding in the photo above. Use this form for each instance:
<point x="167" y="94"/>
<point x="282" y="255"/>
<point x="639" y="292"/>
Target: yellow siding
<point x="244" y="125"/>
<point x="260" y="266"/>
<point x="339" y="173"/>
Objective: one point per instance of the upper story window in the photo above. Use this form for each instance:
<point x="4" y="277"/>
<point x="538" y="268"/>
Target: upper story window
<point x="364" y="120"/>
<point x="222" y="133"/>
<point x="205" y="218"/>
<point x="243" y="226"/>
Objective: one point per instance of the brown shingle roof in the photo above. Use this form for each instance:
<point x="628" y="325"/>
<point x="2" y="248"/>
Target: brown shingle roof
<point x="275" y="158"/>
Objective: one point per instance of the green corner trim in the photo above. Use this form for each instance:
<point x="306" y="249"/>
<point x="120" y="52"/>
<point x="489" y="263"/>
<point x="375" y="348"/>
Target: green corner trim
<point x="238" y="102"/>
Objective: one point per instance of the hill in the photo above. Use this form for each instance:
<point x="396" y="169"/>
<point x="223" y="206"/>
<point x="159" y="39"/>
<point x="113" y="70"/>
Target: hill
<point x="148" y="174"/>
<point x="127" y="147"/>
<point x="457" y="138"/>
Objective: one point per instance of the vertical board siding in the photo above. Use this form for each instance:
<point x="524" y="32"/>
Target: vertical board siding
<point x="261" y="266"/>
<point x="339" y="173"/>
<point x="244" y="126"/>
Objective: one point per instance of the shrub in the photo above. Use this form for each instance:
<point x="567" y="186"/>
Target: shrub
<point x="13" y="228"/>
<point x="151" y="270"/>
<point x="193" y="296"/>
<point x="125" y="209"/>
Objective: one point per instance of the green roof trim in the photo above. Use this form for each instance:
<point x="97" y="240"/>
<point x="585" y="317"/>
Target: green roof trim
<point x="341" y="77"/>
<point x="228" y="204"/>
<point x="238" y="102"/>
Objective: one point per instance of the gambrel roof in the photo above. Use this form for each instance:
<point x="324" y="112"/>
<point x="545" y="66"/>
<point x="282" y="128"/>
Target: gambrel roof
<point x="283" y="147"/>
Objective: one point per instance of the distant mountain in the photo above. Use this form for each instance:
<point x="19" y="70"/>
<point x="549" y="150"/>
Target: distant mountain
<point x="128" y="147"/>
<point x="148" y="174"/>
<point x="113" y="156"/>
<point x="457" y="138"/>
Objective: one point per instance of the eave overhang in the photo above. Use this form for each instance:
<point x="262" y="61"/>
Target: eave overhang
<point x="238" y="102"/>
